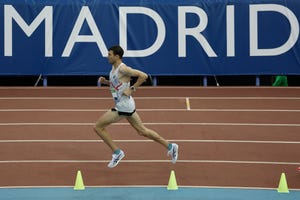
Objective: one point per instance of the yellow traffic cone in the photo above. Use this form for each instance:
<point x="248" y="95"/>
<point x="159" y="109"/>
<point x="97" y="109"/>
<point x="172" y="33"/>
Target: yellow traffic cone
<point x="172" y="185"/>
<point x="283" y="186"/>
<point x="79" y="185"/>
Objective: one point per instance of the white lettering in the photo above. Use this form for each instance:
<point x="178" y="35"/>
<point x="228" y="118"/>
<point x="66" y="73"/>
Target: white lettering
<point x="230" y="31"/>
<point x="183" y="31"/>
<point x="10" y="13"/>
<point x="294" y="34"/>
<point x="161" y="30"/>
<point x="85" y="14"/>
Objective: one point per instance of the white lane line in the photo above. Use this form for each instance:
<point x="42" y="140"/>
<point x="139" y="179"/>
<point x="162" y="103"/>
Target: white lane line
<point x="150" y="98"/>
<point x="247" y="98"/>
<point x="142" y="186"/>
<point x="149" y="110"/>
<point x="140" y="141"/>
<point x="146" y="123"/>
<point x="187" y="102"/>
<point x="153" y="161"/>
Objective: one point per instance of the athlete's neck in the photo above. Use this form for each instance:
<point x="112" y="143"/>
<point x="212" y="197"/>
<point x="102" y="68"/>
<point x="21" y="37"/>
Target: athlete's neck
<point x="117" y="63"/>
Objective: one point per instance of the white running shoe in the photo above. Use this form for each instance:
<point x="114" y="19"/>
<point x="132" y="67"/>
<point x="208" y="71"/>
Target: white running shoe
<point x="116" y="158"/>
<point x="174" y="153"/>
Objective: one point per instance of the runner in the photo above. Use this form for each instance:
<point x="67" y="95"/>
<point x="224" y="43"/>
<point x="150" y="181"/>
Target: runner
<point x="119" y="82"/>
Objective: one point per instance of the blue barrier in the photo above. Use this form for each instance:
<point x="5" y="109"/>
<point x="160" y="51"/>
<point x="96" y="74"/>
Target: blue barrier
<point x="162" y="37"/>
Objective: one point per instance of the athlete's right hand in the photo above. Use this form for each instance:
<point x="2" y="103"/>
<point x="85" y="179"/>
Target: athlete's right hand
<point x="103" y="80"/>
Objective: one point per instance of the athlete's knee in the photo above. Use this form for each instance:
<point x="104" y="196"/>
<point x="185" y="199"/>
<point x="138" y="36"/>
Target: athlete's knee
<point x="143" y="131"/>
<point x="98" y="127"/>
<point x="95" y="128"/>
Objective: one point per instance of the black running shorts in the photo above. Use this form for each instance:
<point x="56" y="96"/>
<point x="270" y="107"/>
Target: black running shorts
<point x="123" y="113"/>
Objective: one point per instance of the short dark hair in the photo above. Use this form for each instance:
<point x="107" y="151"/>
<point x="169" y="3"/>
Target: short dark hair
<point x="117" y="50"/>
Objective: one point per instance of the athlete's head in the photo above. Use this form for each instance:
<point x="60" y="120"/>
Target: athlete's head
<point x="115" y="53"/>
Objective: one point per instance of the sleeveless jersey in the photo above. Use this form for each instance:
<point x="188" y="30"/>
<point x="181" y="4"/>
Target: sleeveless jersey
<point x="123" y="102"/>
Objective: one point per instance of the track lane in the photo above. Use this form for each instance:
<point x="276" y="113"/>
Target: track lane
<point x="179" y="103"/>
<point x="156" y="91"/>
<point x="158" y="116"/>
<point x="171" y="132"/>
<point x="193" y="174"/>
<point x="189" y="151"/>
<point x="87" y="103"/>
<point x="222" y="174"/>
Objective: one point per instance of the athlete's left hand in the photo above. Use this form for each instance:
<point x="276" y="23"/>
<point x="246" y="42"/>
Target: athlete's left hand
<point x="127" y="92"/>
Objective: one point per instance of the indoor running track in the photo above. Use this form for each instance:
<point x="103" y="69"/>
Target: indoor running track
<point x="228" y="137"/>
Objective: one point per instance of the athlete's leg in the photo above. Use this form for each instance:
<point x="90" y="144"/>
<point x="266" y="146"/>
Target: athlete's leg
<point x="137" y="124"/>
<point x="106" y="119"/>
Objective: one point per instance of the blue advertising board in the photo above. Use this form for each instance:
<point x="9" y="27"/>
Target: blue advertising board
<point x="161" y="37"/>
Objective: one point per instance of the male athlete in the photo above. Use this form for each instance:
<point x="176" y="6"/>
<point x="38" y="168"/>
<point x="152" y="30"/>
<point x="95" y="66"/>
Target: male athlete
<point x="119" y="82"/>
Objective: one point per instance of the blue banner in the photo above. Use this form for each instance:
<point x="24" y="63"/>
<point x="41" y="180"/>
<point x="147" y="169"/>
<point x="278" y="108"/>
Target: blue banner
<point x="161" y="37"/>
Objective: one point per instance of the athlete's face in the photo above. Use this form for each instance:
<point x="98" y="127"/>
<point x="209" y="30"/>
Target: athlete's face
<point x="112" y="58"/>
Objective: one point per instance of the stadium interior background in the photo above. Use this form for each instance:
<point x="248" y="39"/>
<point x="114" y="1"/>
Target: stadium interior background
<point x="161" y="80"/>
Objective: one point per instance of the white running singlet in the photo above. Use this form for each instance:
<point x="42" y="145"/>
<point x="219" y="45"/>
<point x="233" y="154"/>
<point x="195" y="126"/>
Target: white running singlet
<point x="123" y="103"/>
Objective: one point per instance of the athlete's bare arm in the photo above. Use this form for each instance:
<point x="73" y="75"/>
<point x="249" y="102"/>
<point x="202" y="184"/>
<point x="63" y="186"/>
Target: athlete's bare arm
<point x="129" y="72"/>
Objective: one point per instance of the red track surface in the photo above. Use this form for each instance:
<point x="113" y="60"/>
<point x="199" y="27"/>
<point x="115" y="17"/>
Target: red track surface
<point x="230" y="137"/>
